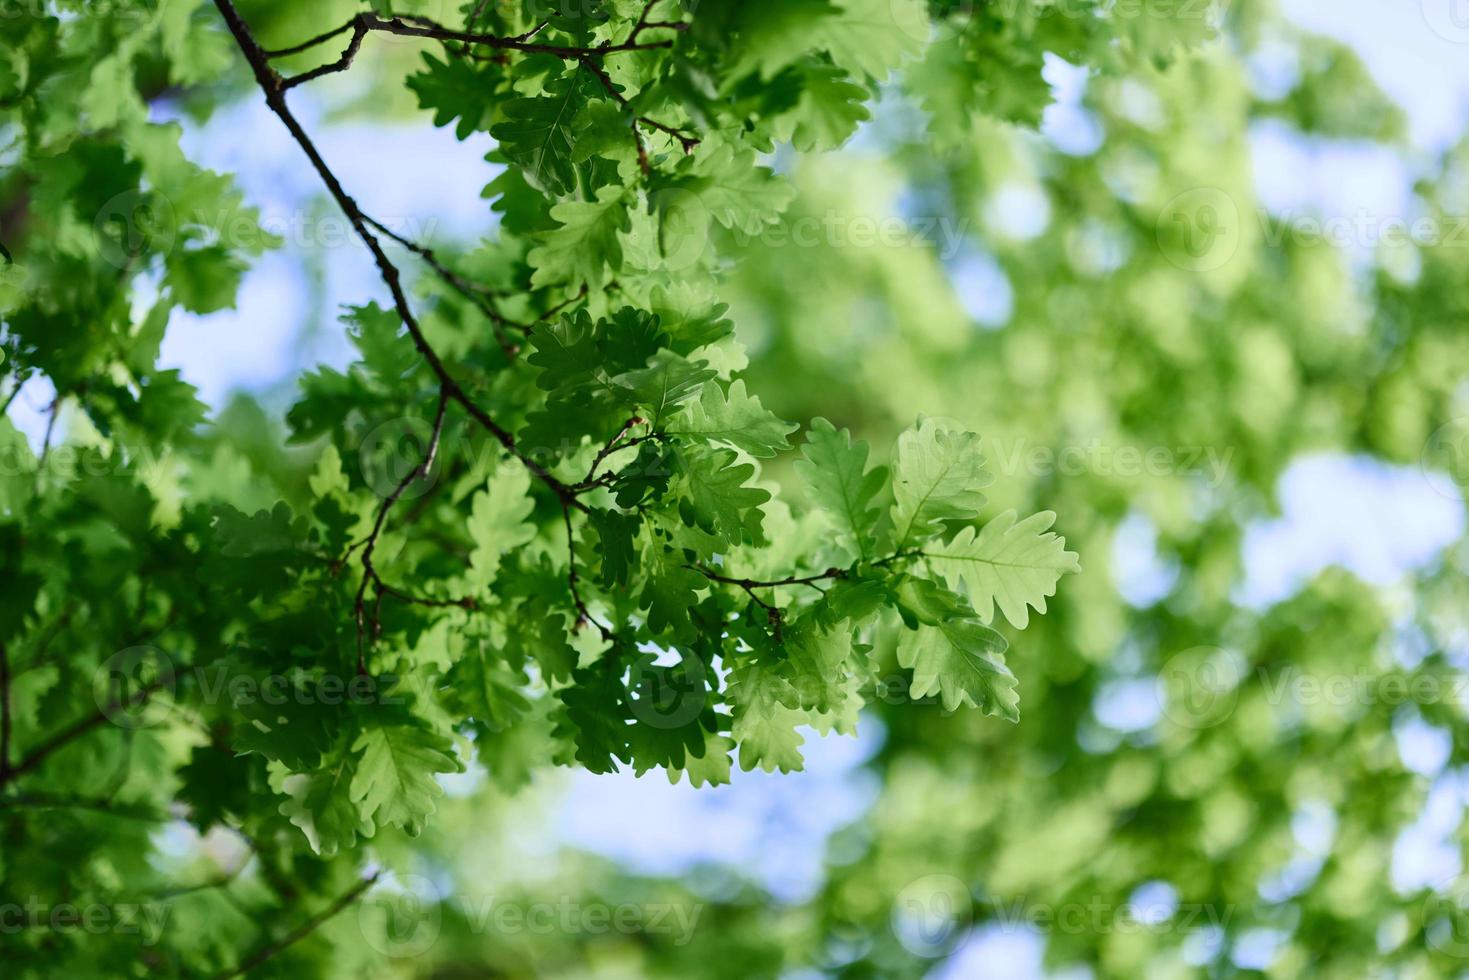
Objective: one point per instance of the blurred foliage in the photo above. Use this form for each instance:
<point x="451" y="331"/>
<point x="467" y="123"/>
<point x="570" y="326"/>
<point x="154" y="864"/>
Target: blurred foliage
<point x="1136" y="340"/>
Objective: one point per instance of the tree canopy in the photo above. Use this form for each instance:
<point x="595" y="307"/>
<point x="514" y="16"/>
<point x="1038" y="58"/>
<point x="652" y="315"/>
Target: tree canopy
<point x="552" y="513"/>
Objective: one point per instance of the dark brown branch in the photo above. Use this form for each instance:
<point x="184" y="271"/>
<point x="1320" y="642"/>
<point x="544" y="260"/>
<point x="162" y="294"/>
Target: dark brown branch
<point x="609" y="449"/>
<point x="274" y="91"/>
<point x="644" y="24"/>
<point x="270" y="950"/>
<point x="369" y="573"/>
<point x="43" y="801"/>
<point x="75" y="731"/>
<point x="313" y="42"/>
<point x="749" y="585"/>
<point x="14" y="393"/>
<point x="413" y="26"/>
<point x="470" y="291"/>
<point x="359" y="32"/>
<point x="583" y="614"/>
<point x="50" y="431"/>
<point x="581" y="294"/>
<point x="465" y="602"/>
<point x="600" y="74"/>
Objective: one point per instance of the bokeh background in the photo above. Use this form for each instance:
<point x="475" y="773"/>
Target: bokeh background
<point x="1213" y="315"/>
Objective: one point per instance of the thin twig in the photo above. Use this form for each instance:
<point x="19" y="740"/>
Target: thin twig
<point x="10" y="398"/>
<point x="269" y="950"/>
<point x="581" y="294"/>
<point x="50" y="431"/>
<point x="359" y="32"/>
<point x="600" y="74"/>
<point x="465" y="602"/>
<point x="475" y="14"/>
<point x="474" y="293"/>
<point x="583" y="614"/>
<point x="42" y="801"/>
<point x="313" y="42"/>
<point x="274" y="90"/>
<point x="609" y="449"/>
<point x="369" y="573"/>
<point x="75" y="731"/>
<point x="414" y="26"/>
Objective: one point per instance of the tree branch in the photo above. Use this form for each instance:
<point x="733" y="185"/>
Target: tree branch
<point x="43" y="801"/>
<point x="369" y="573"/>
<point x="270" y="950"/>
<point x="475" y="294"/>
<point x="583" y="614"/>
<point x="274" y="90"/>
<point x="409" y="25"/>
<point x="77" y="730"/>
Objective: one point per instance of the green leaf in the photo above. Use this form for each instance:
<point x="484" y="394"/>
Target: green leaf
<point x="594" y="719"/>
<point x="498" y="521"/>
<point x="321" y="804"/>
<point x="770" y="34"/>
<point x="668" y="595"/>
<point x="829" y="112"/>
<point x="839" y="482"/>
<point x="872" y="37"/>
<point x="586" y="242"/>
<point x="394" y="785"/>
<point x="565" y="350"/>
<point x="818" y="666"/>
<point x="195" y="55"/>
<point x="710" y="769"/>
<point x="727" y="185"/>
<point x="937" y="473"/>
<point x="539" y="134"/>
<point x="615" y="534"/>
<point x="959" y="661"/>
<point x="656" y="390"/>
<point x="720" y="501"/>
<point x="764" y="728"/>
<point x="1014" y="566"/>
<point x="604" y="128"/>
<point x="453" y="89"/>
<point x="204" y="280"/>
<point x="736" y="419"/>
<point x="953" y="654"/>
<point x="487" y="689"/>
<point x="265" y="532"/>
<point x="541" y="632"/>
<point x="328" y="479"/>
